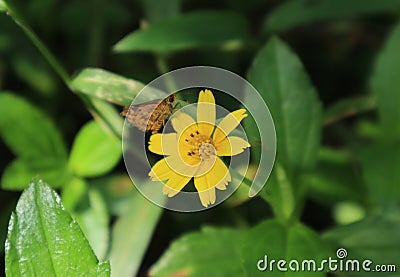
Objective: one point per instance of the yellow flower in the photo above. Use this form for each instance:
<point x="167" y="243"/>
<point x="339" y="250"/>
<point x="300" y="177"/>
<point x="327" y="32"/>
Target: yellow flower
<point x="194" y="150"/>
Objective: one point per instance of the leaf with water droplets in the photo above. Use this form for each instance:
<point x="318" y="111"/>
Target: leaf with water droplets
<point x="43" y="239"/>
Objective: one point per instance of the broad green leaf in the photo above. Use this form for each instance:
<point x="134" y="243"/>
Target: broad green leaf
<point x="4" y="218"/>
<point x="326" y="186"/>
<point x="280" y="78"/>
<point x="299" y="12"/>
<point x="73" y="193"/>
<point x="348" y="107"/>
<point x="271" y="239"/>
<point x="380" y="169"/>
<point x="348" y="212"/>
<point x="374" y="238"/>
<point x="94" y="221"/>
<point x="43" y="239"/>
<point x="94" y="152"/>
<point x="188" y="31"/>
<point x="3" y="6"/>
<point x="156" y="10"/>
<point x="132" y="233"/>
<point x="385" y="84"/>
<point x="211" y="252"/>
<point x="20" y="172"/>
<point x="280" y="194"/>
<point x="107" y="86"/>
<point x="28" y="131"/>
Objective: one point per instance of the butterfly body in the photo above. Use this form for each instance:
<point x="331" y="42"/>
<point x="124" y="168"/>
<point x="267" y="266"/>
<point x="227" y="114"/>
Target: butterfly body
<point x="140" y="117"/>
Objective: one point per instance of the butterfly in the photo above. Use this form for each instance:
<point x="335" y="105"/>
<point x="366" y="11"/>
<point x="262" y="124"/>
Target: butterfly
<point x="139" y="115"/>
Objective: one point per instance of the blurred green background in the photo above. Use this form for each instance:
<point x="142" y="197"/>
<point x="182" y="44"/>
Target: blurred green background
<point x="331" y="81"/>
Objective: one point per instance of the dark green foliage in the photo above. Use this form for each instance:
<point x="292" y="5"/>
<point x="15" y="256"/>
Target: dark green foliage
<point x="327" y="69"/>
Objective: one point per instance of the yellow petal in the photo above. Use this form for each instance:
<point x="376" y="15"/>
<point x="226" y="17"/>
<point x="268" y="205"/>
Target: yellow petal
<point x="218" y="177"/>
<point x="181" y="121"/>
<point x="180" y="166"/>
<point x="231" y="146"/>
<point x="219" y="174"/>
<point x="168" y="166"/>
<point x="160" y="171"/>
<point x="205" y="128"/>
<point x="175" y="184"/>
<point x="206" y="112"/>
<point x="164" y="144"/>
<point x="228" y="124"/>
<point x="206" y="192"/>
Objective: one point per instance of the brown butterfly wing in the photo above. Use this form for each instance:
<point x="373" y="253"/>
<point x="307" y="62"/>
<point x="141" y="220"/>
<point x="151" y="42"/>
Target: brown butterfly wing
<point x="139" y="115"/>
<point x="161" y="114"/>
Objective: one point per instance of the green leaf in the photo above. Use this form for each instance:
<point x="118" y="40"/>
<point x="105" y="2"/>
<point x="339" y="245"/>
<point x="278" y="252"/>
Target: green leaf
<point x="4" y="218"/>
<point x="132" y="233"/>
<point x="380" y="169"/>
<point x="107" y="116"/>
<point x="280" y="194"/>
<point x="376" y="238"/>
<point x="43" y="240"/>
<point x="280" y="78"/>
<point x="348" y="107"/>
<point x="348" y="212"/>
<point x="20" y="172"/>
<point x="385" y="84"/>
<point x="270" y="238"/>
<point x="188" y="31"/>
<point x="106" y="85"/>
<point x="94" y="221"/>
<point x="299" y="12"/>
<point x="211" y="252"/>
<point x="3" y="6"/>
<point x="28" y="132"/>
<point x="233" y="252"/>
<point x="94" y="152"/>
<point x="73" y="192"/>
<point x="34" y="138"/>
<point x="326" y="186"/>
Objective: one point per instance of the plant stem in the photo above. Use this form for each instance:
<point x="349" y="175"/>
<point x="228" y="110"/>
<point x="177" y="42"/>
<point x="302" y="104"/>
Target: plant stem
<point x="62" y="73"/>
<point x="58" y="68"/>
<point x="163" y="68"/>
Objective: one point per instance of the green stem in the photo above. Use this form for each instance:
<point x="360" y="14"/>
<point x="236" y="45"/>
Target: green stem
<point x="163" y="68"/>
<point x="40" y="46"/>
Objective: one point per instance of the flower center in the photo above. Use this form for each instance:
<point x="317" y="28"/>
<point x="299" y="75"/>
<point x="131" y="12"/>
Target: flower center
<point x="206" y="150"/>
<point x="200" y="145"/>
